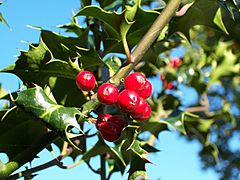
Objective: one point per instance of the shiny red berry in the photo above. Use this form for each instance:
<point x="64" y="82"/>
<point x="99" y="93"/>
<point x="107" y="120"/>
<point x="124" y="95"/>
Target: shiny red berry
<point x="170" y="85"/>
<point x="85" y="81"/>
<point x="135" y="81"/>
<point x="146" y="91"/>
<point x="128" y="100"/>
<point x="175" y="62"/>
<point x="141" y="109"/>
<point x="146" y="115"/>
<point x="107" y="94"/>
<point x="110" y="127"/>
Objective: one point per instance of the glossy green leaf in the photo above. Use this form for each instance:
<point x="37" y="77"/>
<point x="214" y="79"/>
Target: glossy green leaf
<point x="74" y="27"/>
<point x="137" y="167"/>
<point x="59" y="118"/>
<point x="113" y="63"/>
<point x="219" y="21"/>
<point x="202" y="12"/>
<point x="154" y="127"/>
<point x="110" y="19"/>
<point x="36" y="66"/>
<point x="101" y="148"/>
<point x="22" y="136"/>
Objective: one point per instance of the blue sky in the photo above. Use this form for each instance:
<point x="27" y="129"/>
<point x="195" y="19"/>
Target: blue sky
<point x="178" y="159"/>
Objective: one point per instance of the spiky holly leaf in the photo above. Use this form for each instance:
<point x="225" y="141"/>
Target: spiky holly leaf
<point x="202" y="12"/>
<point x="137" y="167"/>
<point x="60" y="119"/>
<point x="49" y="63"/>
<point x="110" y="19"/>
<point x="1" y="17"/>
<point x="154" y="127"/>
<point x="102" y="148"/>
<point x="121" y="26"/>
<point x="113" y="63"/>
<point x="22" y="136"/>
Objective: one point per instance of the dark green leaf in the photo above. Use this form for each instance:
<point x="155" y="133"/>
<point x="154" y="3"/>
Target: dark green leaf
<point x="110" y="19"/>
<point x="113" y="63"/>
<point x="22" y="136"/>
<point x="202" y="12"/>
<point x="102" y="148"/>
<point x="154" y="127"/>
<point x="59" y="118"/>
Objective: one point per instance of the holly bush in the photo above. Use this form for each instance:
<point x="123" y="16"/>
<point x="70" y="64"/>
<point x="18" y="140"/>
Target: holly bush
<point x="198" y="95"/>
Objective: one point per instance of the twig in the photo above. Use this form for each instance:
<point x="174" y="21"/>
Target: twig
<point x="103" y="167"/>
<point x="66" y="151"/>
<point x="38" y="168"/>
<point x="92" y="169"/>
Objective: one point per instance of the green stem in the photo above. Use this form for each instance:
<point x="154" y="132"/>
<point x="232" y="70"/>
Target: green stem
<point x="103" y="167"/>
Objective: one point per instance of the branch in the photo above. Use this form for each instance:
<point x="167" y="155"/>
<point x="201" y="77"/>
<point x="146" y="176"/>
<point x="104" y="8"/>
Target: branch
<point x="147" y="40"/>
<point x="29" y="172"/>
<point x="66" y="151"/>
<point x="103" y="167"/>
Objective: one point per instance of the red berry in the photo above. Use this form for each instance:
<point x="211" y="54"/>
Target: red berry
<point x="164" y="81"/>
<point x="170" y="85"/>
<point x="147" y="91"/>
<point x="85" y="81"/>
<point x="175" y="62"/>
<point x="128" y="100"/>
<point x="146" y="115"/>
<point x="110" y="127"/>
<point x="107" y="94"/>
<point x="141" y="109"/>
<point x="135" y="81"/>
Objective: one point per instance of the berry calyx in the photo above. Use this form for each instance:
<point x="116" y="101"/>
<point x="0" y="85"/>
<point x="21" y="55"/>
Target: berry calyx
<point x="128" y="100"/>
<point x="110" y="127"/>
<point x="85" y="81"/>
<point x="135" y="81"/>
<point x="107" y="94"/>
<point x="146" y="91"/>
<point x="141" y="109"/>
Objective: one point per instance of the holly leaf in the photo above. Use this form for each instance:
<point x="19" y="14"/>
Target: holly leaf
<point x="60" y="119"/>
<point x="113" y="63"/>
<point x="22" y="136"/>
<point x="3" y="20"/>
<point x="202" y="12"/>
<point x="137" y="167"/>
<point x="102" y="148"/>
<point x="74" y="27"/>
<point x="154" y="127"/>
<point x="110" y="19"/>
<point x="227" y="67"/>
<point x="36" y="66"/>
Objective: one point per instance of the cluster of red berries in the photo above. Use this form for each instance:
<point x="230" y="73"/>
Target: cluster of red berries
<point x="131" y="100"/>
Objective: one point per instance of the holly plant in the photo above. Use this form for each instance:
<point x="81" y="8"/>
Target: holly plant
<point x="118" y="79"/>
